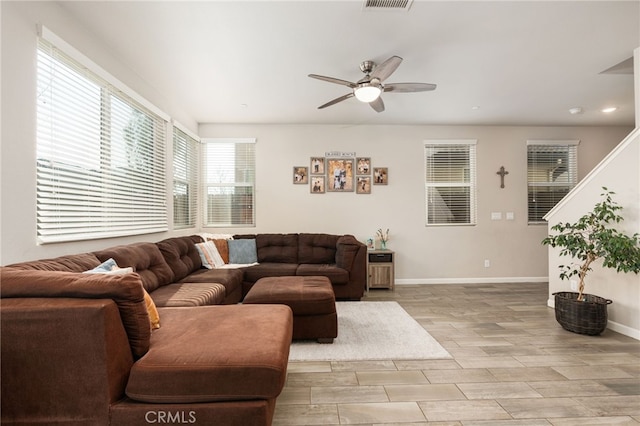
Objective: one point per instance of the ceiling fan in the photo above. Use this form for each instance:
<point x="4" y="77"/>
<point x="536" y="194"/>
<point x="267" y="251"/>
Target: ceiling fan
<point x="369" y="88"/>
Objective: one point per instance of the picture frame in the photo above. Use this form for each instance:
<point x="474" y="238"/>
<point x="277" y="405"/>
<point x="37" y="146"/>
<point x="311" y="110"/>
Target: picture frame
<point x="363" y="166"/>
<point x="316" y="165"/>
<point x="300" y="175"/>
<point x="317" y="185"/>
<point x="371" y="245"/>
<point x="380" y="176"/>
<point x="363" y="184"/>
<point x="340" y="174"/>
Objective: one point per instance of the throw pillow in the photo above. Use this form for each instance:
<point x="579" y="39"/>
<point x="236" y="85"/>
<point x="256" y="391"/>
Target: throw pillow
<point x="223" y="249"/>
<point x="154" y="317"/>
<point x="242" y="251"/>
<point x="209" y="255"/>
<point x="110" y="267"/>
<point x="103" y="268"/>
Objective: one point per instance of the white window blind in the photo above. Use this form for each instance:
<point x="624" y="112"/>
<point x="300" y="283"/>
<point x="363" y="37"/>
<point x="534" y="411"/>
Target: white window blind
<point x="450" y="182"/>
<point x="185" y="179"/>
<point x="552" y="171"/>
<point x="100" y="156"/>
<point x="229" y="170"/>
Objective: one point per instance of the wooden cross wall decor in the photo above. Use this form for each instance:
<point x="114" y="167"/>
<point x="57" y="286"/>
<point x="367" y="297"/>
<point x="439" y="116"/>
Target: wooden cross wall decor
<point x="502" y="172"/>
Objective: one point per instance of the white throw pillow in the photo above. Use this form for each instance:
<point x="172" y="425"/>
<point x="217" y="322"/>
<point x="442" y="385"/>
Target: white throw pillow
<point x="209" y="255"/>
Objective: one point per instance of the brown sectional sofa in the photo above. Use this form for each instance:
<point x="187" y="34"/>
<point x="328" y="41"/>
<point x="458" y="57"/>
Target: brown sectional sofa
<point x="342" y="259"/>
<point x="77" y="348"/>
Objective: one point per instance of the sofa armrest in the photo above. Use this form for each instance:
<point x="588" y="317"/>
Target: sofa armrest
<point x="61" y="359"/>
<point x="125" y="290"/>
<point x="351" y="255"/>
<point x="347" y="251"/>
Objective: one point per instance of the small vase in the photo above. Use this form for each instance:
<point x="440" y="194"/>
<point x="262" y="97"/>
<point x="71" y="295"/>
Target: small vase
<point x="383" y="245"/>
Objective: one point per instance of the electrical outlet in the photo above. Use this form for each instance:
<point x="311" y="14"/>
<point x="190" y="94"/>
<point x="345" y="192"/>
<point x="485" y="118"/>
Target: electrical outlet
<point x="487" y="263"/>
<point x="574" y="285"/>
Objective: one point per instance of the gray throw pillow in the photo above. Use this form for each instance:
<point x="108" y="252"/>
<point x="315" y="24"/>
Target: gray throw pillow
<point x="243" y="251"/>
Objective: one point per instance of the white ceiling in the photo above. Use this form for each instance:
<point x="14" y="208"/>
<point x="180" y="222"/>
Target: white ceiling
<point x="521" y="63"/>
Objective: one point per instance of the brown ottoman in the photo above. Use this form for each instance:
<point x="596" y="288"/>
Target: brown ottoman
<point x="310" y="298"/>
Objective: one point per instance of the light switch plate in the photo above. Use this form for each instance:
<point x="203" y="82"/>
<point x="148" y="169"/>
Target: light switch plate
<point x="496" y="215"/>
<point x="510" y="216"/>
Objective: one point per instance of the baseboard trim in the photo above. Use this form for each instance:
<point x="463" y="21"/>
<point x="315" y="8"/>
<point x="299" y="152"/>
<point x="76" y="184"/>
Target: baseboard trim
<point x="623" y="329"/>
<point x="489" y="280"/>
<point x="611" y="325"/>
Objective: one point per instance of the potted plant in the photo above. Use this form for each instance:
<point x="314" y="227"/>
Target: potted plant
<point x="590" y="238"/>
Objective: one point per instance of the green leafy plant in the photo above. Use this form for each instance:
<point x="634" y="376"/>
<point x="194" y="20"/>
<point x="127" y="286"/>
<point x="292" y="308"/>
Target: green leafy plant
<point x="593" y="237"/>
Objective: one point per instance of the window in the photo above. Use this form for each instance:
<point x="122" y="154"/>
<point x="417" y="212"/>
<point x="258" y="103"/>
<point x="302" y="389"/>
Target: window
<point x="230" y="182"/>
<point x="552" y="171"/>
<point x="100" y="155"/>
<point x="450" y="182"/>
<point x="185" y="179"/>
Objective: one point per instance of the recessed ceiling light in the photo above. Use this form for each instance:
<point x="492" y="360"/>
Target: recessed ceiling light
<point x="575" y="110"/>
<point x="243" y="105"/>
<point x="609" y="109"/>
<point x="475" y="107"/>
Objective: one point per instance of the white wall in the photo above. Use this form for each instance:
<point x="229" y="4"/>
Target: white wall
<point x="636" y="83"/>
<point x="18" y="109"/>
<point x="424" y="254"/>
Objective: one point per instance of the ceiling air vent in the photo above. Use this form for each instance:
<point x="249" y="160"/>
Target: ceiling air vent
<point x="387" y="4"/>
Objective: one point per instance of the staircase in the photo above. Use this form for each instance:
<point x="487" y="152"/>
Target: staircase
<point x="619" y="171"/>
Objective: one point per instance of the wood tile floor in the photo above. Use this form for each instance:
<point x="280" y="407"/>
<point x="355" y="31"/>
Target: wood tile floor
<point x="512" y="365"/>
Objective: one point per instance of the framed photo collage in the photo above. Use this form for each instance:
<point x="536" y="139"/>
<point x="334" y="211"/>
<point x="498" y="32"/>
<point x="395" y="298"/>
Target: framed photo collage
<point x="340" y="172"/>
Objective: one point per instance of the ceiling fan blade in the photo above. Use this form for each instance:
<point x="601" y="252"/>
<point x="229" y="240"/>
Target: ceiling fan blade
<point x="336" y="100"/>
<point x="377" y="105"/>
<point x="333" y="80"/>
<point x="408" y="87"/>
<point x="385" y="69"/>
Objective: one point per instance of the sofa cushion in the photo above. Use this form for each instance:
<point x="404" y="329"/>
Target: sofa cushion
<point x="317" y="248"/>
<point x="181" y="255"/>
<point x="242" y="251"/>
<point x="224" y="365"/>
<point x="337" y="276"/>
<point x="262" y="270"/>
<point x="189" y="294"/>
<point x="231" y="279"/>
<point x="126" y="290"/>
<point x="146" y="260"/>
<point x="281" y="248"/>
<point x="71" y="263"/>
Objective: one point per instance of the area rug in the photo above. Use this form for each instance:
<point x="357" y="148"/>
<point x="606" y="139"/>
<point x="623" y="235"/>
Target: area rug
<point x="372" y="331"/>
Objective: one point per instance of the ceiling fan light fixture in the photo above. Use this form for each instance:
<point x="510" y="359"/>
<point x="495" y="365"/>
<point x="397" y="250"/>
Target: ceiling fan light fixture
<point x="367" y="92"/>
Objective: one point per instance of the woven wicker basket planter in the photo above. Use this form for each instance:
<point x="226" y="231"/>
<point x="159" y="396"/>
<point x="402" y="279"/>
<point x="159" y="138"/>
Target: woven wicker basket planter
<point x="584" y="317"/>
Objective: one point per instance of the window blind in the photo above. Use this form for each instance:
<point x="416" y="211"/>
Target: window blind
<point x="552" y="171"/>
<point x="229" y="170"/>
<point x="185" y="179"/>
<point x="450" y="182"/>
<point x="100" y="156"/>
